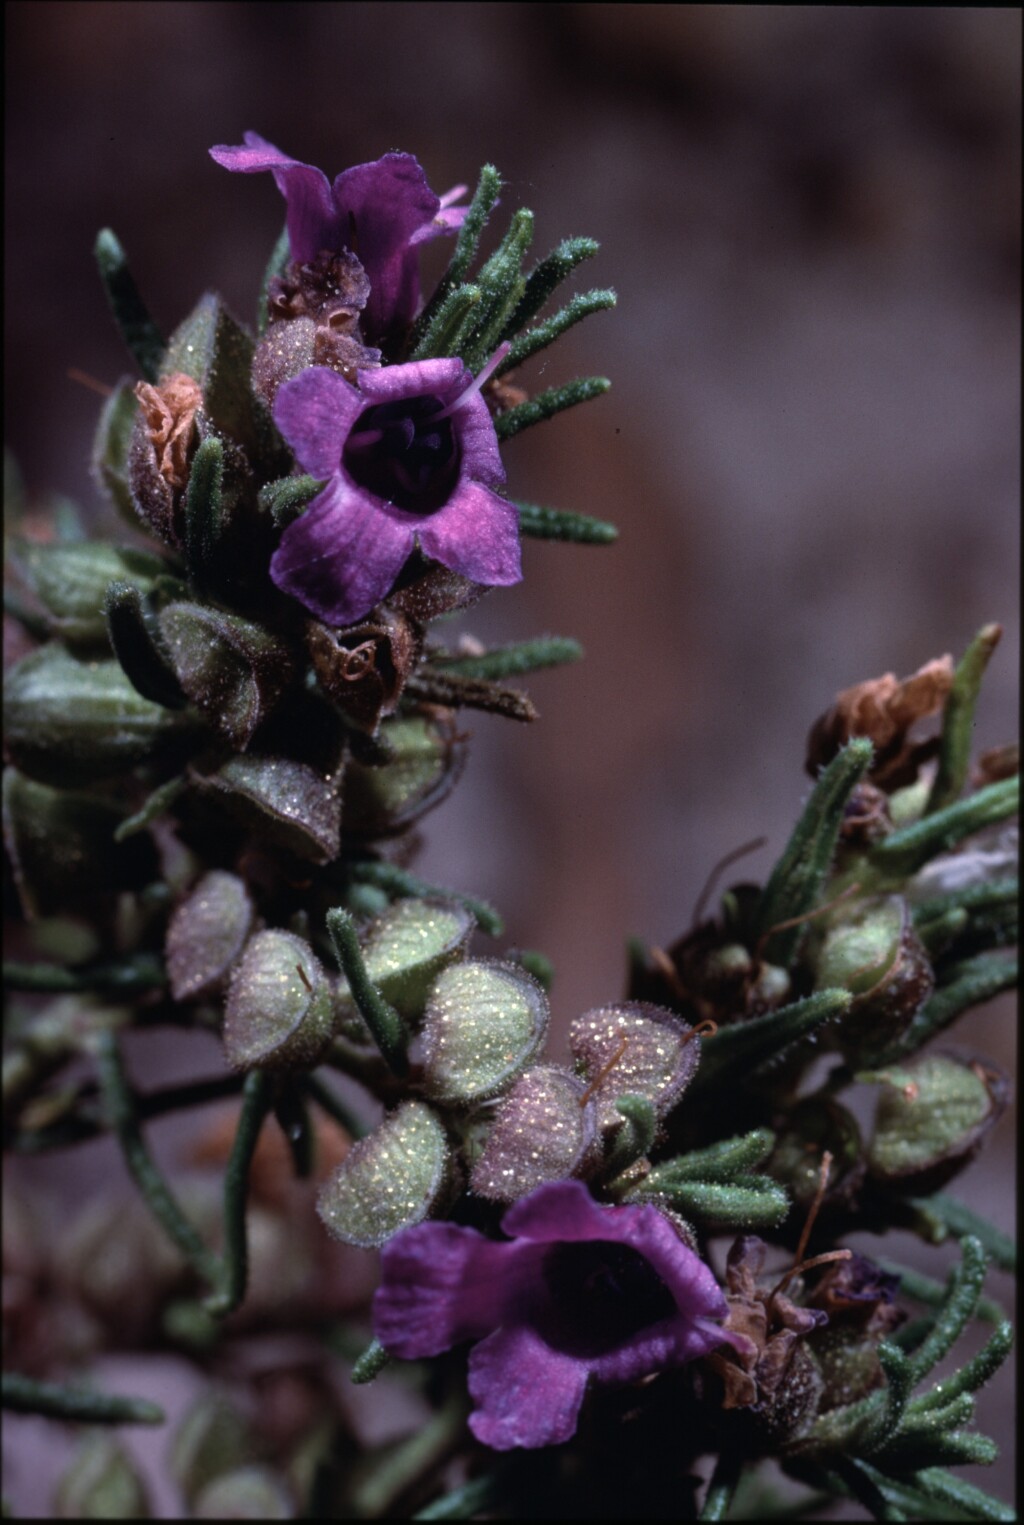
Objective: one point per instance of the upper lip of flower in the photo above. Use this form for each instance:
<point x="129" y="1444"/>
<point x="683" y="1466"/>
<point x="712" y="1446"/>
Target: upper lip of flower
<point x="410" y="457"/>
<point x="443" y="1284"/>
<point x="382" y="211"/>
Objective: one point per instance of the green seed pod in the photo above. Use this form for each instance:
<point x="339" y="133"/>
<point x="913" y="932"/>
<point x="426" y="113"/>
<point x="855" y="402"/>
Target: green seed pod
<point x="633" y="1047"/>
<point x="68" y="721"/>
<point x="278" y="1013"/>
<point x="232" y="669"/>
<point x="246" y="1493"/>
<point x="813" y="1126"/>
<point x="101" y="1484"/>
<point x="71" y="580"/>
<point x="876" y="955"/>
<point x="932" y="1117"/>
<point x="63" y="851"/>
<point x="405" y="949"/>
<point x="289" y="803"/>
<point x="390" y="1179"/>
<point x="206" y="935"/>
<point x="542" y="1131"/>
<point x="483" y="1024"/>
<point x="212" y="1439"/>
<point x="426" y="757"/>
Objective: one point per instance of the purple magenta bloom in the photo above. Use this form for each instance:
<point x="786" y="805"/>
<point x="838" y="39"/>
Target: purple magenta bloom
<point x="580" y="1290"/>
<point x="380" y="211"/>
<point x="411" y="458"/>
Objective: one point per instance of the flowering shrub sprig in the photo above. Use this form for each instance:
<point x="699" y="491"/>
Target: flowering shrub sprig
<point x="219" y="740"/>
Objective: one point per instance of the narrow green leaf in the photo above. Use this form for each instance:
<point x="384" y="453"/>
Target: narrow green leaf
<point x="957" y="1219"/>
<point x="904" y="851"/>
<point x="958" y="719"/>
<point x="925" y="1289"/>
<point x="544" y="277"/>
<point x="370" y="1364"/>
<point x="574" y="311"/>
<point x="971" y="1376"/>
<point x="965" y="1290"/>
<point x="131" y="315"/>
<point x="256" y="1101"/>
<point x="799" y="876"/>
<point x="120" y="1107"/>
<point x="966" y="984"/>
<point x="635" y="1137"/>
<point x="722" y="1487"/>
<point x="719" y="1162"/>
<point x="466" y="244"/>
<point x="389" y="1031"/>
<point x="501" y="284"/>
<point x="558" y="524"/>
<point x="546" y="404"/>
<point x="445" y="334"/>
<point x="24" y="1395"/>
<point x="285" y="499"/>
<point x="760" y="1202"/>
<point x="455" y="690"/>
<point x="203" y="508"/>
<point x="975" y="1502"/>
<point x="734" y="1051"/>
<point x="509" y="661"/>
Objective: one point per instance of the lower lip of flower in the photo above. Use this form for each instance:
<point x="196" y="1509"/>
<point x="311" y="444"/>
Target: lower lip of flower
<point x="602" y="1294"/>
<point x="405" y="453"/>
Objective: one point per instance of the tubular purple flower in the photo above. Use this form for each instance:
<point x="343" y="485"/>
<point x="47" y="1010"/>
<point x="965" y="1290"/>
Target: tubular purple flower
<point x="381" y="212"/>
<point x="579" y="1291"/>
<point x="411" y="458"/>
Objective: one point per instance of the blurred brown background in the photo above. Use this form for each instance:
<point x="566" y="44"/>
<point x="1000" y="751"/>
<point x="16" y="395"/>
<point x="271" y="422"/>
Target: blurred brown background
<point x="812" y="217"/>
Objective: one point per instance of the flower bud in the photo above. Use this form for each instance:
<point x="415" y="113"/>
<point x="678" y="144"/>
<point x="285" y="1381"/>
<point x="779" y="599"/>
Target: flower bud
<point x="68" y="721"/>
<point x="876" y="955"/>
<point x="278" y="1013"/>
<point x="427" y="756"/>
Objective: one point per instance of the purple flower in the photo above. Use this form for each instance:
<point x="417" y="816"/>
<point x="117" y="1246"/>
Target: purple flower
<point x="412" y="459"/>
<point x="380" y="211"/>
<point x="579" y="1291"/>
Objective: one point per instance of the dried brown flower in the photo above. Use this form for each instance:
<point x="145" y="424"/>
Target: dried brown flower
<point x="169" y="409"/>
<point x="884" y="710"/>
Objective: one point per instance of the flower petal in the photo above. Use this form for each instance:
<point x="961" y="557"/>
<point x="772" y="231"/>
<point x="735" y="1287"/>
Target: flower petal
<point x="564" y="1210"/>
<point x="441" y="1284"/>
<point x="381" y="206"/>
<point x="429" y="378"/>
<point x="476" y="533"/>
<point x="313" y="222"/>
<point x="526" y="1393"/>
<point x="315" y="411"/>
<point x="343" y="555"/>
